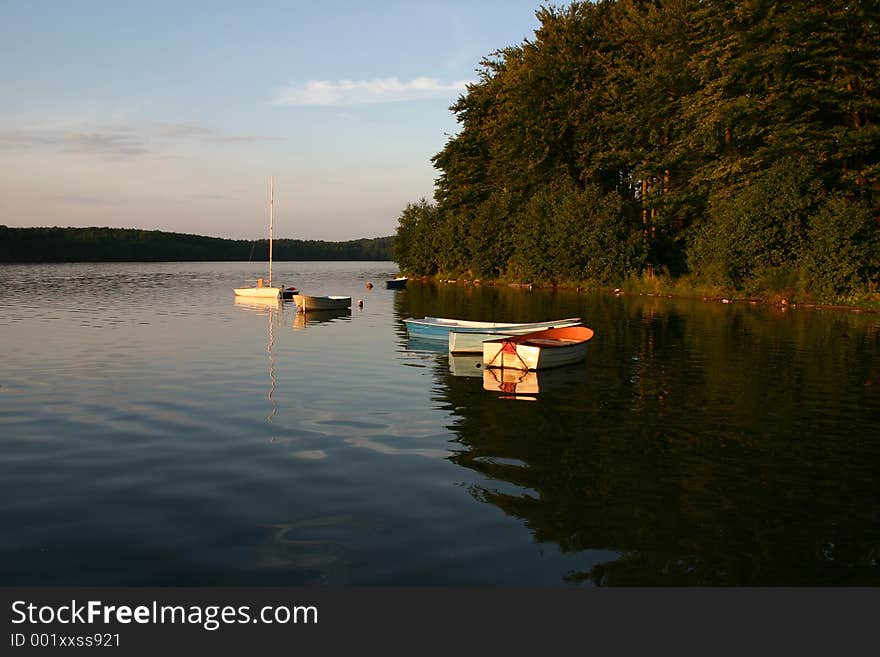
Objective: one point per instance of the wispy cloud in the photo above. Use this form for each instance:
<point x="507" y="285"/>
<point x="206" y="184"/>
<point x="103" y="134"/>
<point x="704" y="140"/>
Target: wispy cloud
<point x="108" y="143"/>
<point x="70" y="199"/>
<point x="116" y="141"/>
<point x="196" y="131"/>
<point x="238" y="139"/>
<point x="132" y="200"/>
<point x="360" y="92"/>
<point x="181" y="130"/>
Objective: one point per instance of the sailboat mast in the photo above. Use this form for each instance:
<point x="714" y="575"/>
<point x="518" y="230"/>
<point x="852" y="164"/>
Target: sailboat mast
<point x="271" y="221"/>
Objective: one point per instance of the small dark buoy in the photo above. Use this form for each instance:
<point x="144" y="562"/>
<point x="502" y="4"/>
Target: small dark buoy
<point x="369" y="285"/>
<point x="360" y="303"/>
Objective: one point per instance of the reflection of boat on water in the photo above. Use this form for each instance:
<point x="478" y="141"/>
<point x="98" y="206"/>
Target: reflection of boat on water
<point x="306" y="317"/>
<point x="272" y="308"/>
<point x="258" y="303"/>
<point x="510" y="381"/>
<point x="425" y="346"/>
<point x="529" y="382"/>
<point x="538" y="350"/>
<point x="466" y="365"/>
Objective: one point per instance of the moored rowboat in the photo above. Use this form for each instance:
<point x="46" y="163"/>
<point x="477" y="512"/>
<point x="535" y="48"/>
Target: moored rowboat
<point x="258" y="292"/>
<point x="396" y="283"/>
<point x="538" y="350"/>
<point x="471" y="342"/>
<point x="438" y="328"/>
<point x="308" y="302"/>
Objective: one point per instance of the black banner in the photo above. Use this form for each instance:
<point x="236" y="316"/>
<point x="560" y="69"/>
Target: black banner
<point x="414" y="621"/>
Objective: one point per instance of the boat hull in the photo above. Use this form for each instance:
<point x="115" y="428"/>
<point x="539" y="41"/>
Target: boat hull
<point x="396" y="283"/>
<point x="438" y="328"/>
<point x="539" y="350"/>
<point x="462" y="342"/>
<point x="258" y="292"/>
<point x="308" y="302"/>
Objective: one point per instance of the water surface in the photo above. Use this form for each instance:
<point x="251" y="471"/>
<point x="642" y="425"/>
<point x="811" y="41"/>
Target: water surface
<point x="155" y="432"/>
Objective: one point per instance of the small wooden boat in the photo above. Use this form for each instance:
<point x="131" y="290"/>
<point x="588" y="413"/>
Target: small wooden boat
<point x="438" y="328"/>
<point x="396" y="283"/>
<point x="260" y="290"/>
<point x="470" y="342"/>
<point x="538" y="350"/>
<point x="307" y="302"/>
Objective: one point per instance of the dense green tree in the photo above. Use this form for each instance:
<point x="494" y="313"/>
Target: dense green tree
<point x="721" y="133"/>
<point x="842" y="249"/>
<point x="416" y="244"/>
<point x="756" y="227"/>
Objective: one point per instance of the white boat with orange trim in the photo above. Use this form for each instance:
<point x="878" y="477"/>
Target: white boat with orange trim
<point x="538" y="350"/>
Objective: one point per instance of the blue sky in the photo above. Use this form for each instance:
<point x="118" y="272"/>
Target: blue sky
<point x="173" y="115"/>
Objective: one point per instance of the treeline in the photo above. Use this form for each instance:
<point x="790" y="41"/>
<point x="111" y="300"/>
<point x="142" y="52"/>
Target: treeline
<point x="732" y="144"/>
<point x="131" y="245"/>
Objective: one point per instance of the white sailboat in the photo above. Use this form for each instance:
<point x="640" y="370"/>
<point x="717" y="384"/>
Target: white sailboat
<point x="260" y="290"/>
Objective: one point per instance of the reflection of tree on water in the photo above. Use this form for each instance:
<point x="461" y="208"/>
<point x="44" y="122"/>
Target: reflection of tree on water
<point x="699" y="449"/>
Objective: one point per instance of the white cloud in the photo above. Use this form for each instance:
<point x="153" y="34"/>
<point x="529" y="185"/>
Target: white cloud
<point x="359" y="92"/>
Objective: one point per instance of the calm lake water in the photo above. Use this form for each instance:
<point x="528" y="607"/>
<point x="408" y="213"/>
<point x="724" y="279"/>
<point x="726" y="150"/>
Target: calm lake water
<point x="155" y="432"/>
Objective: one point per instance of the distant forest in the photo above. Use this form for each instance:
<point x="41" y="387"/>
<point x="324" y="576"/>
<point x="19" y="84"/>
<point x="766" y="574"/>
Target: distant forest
<point x="732" y="144"/>
<point x="131" y="245"/>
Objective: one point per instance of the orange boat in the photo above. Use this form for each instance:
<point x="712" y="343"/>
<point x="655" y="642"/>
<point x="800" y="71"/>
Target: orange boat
<point x="539" y="350"/>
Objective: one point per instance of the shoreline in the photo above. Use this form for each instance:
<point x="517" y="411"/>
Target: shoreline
<point x="776" y="299"/>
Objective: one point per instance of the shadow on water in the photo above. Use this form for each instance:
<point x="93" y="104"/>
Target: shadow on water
<point x="703" y="444"/>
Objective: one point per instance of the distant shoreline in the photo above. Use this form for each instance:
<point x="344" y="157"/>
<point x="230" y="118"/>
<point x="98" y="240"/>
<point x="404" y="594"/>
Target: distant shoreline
<point x="103" y="244"/>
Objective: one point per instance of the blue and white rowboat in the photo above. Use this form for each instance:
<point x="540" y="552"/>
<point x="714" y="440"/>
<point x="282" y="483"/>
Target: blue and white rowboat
<point x="438" y="328"/>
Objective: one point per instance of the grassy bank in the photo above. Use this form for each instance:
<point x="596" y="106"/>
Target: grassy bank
<point x="683" y="287"/>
